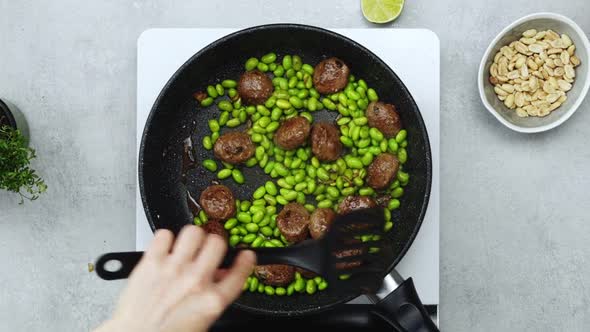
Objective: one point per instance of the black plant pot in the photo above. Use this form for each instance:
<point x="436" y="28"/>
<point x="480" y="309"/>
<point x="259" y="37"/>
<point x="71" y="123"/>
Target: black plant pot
<point x="11" y="116"/>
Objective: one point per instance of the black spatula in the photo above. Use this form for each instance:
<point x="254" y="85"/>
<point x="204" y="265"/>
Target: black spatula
<point x="340" y="256"/>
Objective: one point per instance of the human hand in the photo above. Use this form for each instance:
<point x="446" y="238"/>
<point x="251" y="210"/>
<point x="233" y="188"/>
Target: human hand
<point x="177" y="287"/>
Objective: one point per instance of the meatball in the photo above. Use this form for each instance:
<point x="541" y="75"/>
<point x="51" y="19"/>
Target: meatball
<point x="292" y="133"/>
<point x="293" y="221"/>
<point x="320" y="221"/>
<point x="215" y="227"/>
<point x="234" y="147"/>
<point x="330" y="75"/>
<point x="275" y="274"/>
<point x="382" y="171"/>
<point x="254" y="87"/>
<point x="218" y="202"/>
<point x="353" y="203"/>
<point x="325" y="141"/>
<point x="306" y="273"/>
<point x="384" y="117"/>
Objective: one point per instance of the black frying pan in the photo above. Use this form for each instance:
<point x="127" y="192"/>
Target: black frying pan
<point x="176" y="116"/>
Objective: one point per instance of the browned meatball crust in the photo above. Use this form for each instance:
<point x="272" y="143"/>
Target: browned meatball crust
<point x="234" y="147"/>
<point x="292" y="133"/>
<point x="320" y="221"/>
<point x="353" y="203"/>
<point x="254" y="87"/>
<point x="384" y="117"/>
<point x="218" y="202"/>
<point x="215" y="227"/>
<point x="382" y="171"/>
<point x="275" y="274"/>
<point x="325" y="141"/>
<point x="330" y="75"/>
<point x="293" y="222"/>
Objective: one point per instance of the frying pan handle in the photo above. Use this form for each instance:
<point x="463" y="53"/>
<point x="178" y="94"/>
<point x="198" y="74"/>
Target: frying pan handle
<point x="127" y="260"/>
<point x="405" y="307"/>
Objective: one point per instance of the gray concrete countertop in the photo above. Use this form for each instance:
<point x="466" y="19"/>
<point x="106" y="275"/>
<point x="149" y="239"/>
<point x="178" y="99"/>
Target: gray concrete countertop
<point x="514" y="228"/>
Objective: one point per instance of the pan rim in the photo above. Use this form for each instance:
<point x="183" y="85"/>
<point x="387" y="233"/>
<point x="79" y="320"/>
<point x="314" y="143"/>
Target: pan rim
<point x="422" y="128"/>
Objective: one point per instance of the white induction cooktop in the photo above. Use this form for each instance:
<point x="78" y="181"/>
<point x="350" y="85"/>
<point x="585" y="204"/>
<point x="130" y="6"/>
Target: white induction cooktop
<point x="414" y="55"/>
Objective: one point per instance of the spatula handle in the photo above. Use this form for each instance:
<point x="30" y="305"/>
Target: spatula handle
<point x="127" y="262"/>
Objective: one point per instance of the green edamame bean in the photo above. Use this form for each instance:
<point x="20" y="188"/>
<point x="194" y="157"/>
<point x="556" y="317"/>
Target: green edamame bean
<point x="290" y="73"/>
<point x="392" y="145"/>
<point x="277" y="243"/>
<point x="310" y="287"/>
<point x="323" y="174"/>
<point x="257" y="217"/>
<point x="266" y="231"/>
<point x="207" y="144"/>
<point x="255" y="208"/>
<point x="213" y="125"/>
<point x="276" y="232"/>
<point x="383" y="146"/>
<point x="372" y="95"/>
<point x="224" y="173"/>
<point x="353" y="95"/>
<point x="290" y="289"/>
<point x="280" y="291"/>
<point x="309" y="207"/>
<point x="230" y="223"/>
<point x="401" y="136"/>
<point x="388" y="225"/>
<point x="252" y="227"/>
<point x="251" y="64"/>
<point x="354" y="162"/>
<point x="243" y="116"/>
<point x="393" y="204"/>
<point x="245" y="205"/>
<point x="229" y="83"/>
<point x="269" y="290"/>
<point x="237" y="175"/>
<point x="281" y="200"/>
<point x="210" y="165"/>
<point x="402" y="155"/>
<point x="259" y="202"/>
<point x="264" y="121"/>
<point x="329" y="104"/>
<point x="376" y="134"/>
<point x="272" y="126"/>
<point x="403" y="177"/>
<point x="311" y="186"/>
<point x="325" y="203"/>
<point x="249" y="238"/>
<point x="322" y="285"/>
<point x="259" y="193"/>
<point x="223" y="117"/>
<point x="231" y="123"/>
<point x="348" y="191"/>
<point x="346" y="141"/>
<point x="397" y="192"/>
<point x="307" y="68"/>
<point x="306" y="115"/>
<point x="260" y="288"/>
<point x="234" y="231"/>
<point x="207" y="102"/>
<point x="332" y="192"/>
<point x="279" y="71"/>
<point x="366" y="191"/>
<point x="244" y="217"/>
<point x="254" y="280"/>
<point x="283" y="104"/>
<point x="387" y="215"/>
<point x="287" y="62"/>
<point x="317" y="280"/>
<point x="361" y="121"/>
<point x="355" y="133"/>
<point x="263" y="67"/>
<point x="281" y="170"/>
<point x="295" y="102"/>
<point x="367" y="159"/>
<point x="211" y="91"/>
<point x="297" y="63"/>
<point x="302" y="94"/>
<point x="220" y="90"/>
<point x="203" y="216"/>
<point x="270" y="188"/>
<point x="268" y="58"/>
<point x="283" y="184"/>
<point x="269" y="166"/>
<point x="299" y="285"/>
<point x="234" y="240"/>
<point x="300" y="186"/>
<point x="270" y="199"/>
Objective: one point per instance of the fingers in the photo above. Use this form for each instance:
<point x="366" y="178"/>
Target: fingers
<point x="187" y="244"/>
<point x="230" y="287"/>
<point x="210" y="257"/>
<point x="160" y="245"/>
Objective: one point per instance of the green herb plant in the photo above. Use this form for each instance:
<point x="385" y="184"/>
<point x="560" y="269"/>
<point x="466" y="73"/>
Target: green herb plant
<point x="16" y="175"/>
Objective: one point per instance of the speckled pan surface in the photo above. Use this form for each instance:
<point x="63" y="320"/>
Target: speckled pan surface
<point x="175" y="116"/>
<point x="540" y="22"/>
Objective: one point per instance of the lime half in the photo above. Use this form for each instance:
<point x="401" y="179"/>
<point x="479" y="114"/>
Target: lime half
<point x="381" y="11"/>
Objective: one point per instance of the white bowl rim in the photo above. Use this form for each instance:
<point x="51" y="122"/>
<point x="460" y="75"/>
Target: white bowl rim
<point x="481" y="78"/>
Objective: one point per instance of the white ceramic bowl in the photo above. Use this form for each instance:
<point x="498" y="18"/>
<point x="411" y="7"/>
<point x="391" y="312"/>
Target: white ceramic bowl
<point x="540" y="22"/>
